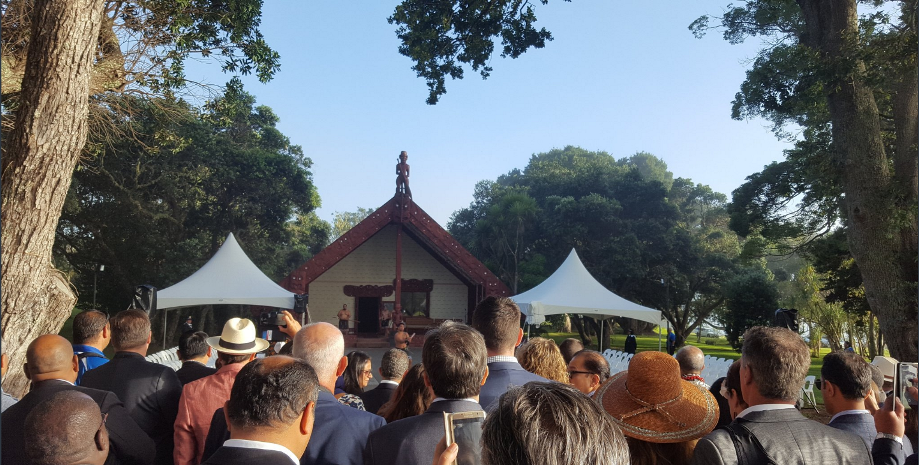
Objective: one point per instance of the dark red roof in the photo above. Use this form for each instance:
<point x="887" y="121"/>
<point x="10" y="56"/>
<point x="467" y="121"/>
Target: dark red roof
<point x="417" y="224"/>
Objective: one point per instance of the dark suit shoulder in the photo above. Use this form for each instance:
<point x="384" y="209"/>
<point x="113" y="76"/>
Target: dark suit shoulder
<point x="245" y="456"/>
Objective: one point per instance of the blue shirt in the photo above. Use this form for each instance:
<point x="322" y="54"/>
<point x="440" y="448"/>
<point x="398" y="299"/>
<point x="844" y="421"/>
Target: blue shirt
<point x="90" y="362"/>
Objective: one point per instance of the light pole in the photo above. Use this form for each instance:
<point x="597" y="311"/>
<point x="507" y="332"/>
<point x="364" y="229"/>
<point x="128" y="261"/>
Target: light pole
<point x="96" y="271"/>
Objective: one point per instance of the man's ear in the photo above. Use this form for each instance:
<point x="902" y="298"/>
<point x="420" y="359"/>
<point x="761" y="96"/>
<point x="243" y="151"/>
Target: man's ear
<point x="519" y="337"/>
<point x="75" y="363"/>
<point x="427" y="381"/>
<point x="106" y="331"/>
<point x="25" y="369"/>
<point x="101" y="440"/>
<point x="484" y="378"/>
<point x="342" y="365"/>
<point x="149" y="337"/>
<point x="307" y="420"/>
<point x="380" y="371"/>
<point x="226" y="416"/>
<point x="252" y="357"/>
<point x="829" y="389"/>
<point x="179" y="354"/>
<point x="209" y="351"/>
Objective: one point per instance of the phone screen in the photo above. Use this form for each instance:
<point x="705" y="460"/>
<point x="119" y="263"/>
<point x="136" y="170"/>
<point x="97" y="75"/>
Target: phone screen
<point x="467" y="433"/>
<point x="907" y="377"/>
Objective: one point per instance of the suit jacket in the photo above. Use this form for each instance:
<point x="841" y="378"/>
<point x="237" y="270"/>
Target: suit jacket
<point x="788" y="438"/>
<point x="412" y="440"/>
<point x="340" y="433"/>
<point x="193" y="371"/>
<point x="150" y="393"/>
<point x="128" y="443"/>
<point x="862" y="425"/>
<point x="376" y="397"/>
<point x="501" y="377"/>
<point x="244" y="456"/>
<point x="889" y="452"/>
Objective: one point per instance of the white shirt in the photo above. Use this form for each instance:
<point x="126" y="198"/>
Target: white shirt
<point x="247" y="444"/>
<point x="440" y="399"/>
<point x="850" y="412"/>
<point x="501" y="358"/>
<point x="388" y="381"/>
<point x="763" y="408"/>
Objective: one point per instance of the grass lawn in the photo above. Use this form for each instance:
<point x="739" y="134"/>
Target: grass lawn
<point x="720" y="349"/>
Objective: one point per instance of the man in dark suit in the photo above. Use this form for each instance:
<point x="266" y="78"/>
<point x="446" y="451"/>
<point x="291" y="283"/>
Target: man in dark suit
<point x="341" y="432"/>
<point x="67" y="428"/>
<point x="773" y="365"/>
<point x="846" y="381"/>
<point x="498" y="319"/>
<point x="270" y="413"/>
<point x="393" y="366"/>
<point x="52" y="367"/>
<point x="150" y="391"/>
<point x="454" y="359"/>
<point x="194" y="353"/>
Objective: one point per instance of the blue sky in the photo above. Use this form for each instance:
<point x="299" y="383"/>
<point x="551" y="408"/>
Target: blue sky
<point x="622" y="77"/>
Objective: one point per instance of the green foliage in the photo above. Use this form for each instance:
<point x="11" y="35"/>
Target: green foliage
<point x="344" y="221"/>
<point x="156" y="197"/>
<point x="441" y="36"/>
<point x="752" y="299"/>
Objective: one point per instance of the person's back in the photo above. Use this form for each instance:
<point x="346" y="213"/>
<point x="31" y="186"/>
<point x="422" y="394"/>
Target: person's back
<point x="454" y="360"/>
<point x="393" y="366"/>
<point x="770" y="389"/>
<point x="91" y="335"/>
<point x="498" y="320"/>
<point x="150" y="392"/>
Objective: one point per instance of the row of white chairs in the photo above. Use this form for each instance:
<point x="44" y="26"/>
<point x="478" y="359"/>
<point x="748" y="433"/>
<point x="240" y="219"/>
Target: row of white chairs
<point x="164" y="356"/>
<point x="618" y="361"/>
<point x="714" y="367"/>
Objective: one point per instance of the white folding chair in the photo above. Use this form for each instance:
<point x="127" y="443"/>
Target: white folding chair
<point x="807" y="392"/>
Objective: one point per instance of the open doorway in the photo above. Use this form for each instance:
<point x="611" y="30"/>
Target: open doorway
<point x="368" y="315"/>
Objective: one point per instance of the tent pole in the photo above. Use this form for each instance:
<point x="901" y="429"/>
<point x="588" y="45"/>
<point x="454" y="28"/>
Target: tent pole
<point x="659" y="338"/>
<point x="164" y="329"/>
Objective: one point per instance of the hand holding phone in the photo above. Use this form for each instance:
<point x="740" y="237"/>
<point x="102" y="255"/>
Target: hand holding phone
<point x="465" y="430"/>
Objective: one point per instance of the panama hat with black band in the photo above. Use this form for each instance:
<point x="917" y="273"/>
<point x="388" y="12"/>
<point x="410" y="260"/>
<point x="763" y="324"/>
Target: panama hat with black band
<point x="238" y="338"/>
<point x="652" y="403"/>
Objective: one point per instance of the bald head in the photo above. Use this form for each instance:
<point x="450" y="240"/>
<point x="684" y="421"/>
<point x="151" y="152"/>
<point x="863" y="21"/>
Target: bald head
<point x="51" y="357"/>
<point x="66" y="428"/>
<point x="691" y="360"/>
<point x="322" y="346"/>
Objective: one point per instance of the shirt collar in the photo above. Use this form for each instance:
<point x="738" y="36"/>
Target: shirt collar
<point x="763" y="408"/>
<point x="850" y="412"/>
<point x="389" y="381"/>
<point x="441" y="399"/>
<point x="86" y="348"/>
<point x="501" y="358"/>
<point x="247" y="444"/>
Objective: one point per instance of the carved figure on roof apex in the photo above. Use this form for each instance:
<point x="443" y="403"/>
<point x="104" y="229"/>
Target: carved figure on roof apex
<point x="402" y="172"/>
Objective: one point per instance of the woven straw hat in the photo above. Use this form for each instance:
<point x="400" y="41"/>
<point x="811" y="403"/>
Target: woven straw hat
<point x="238" y="338"/>
<point x="652" y="403"/>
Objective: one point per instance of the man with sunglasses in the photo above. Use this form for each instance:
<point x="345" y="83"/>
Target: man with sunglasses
<point x="587" y="371"/>
<point x="91" y="335"/>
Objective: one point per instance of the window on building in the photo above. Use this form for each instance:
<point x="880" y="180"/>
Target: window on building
<point x="415" y="303"/>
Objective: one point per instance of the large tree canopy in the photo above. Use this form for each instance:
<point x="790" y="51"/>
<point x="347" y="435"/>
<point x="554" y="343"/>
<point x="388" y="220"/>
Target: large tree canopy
<point x="848" y="79"/>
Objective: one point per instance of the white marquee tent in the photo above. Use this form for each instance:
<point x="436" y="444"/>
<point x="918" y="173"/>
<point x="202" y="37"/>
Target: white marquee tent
<point x="572" y="289"/>
<point x="228" y="278"/>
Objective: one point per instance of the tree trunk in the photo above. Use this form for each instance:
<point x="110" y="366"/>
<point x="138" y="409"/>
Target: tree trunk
<point x="585" y="339"/>
<point x="880" y="238"/>
<point x="871" y="337"/>
<point x="39" y="157"/>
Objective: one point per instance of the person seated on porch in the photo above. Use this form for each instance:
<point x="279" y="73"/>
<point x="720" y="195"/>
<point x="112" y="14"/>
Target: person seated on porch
<point x="386" y="320"/>
<point x="343" y="317"/>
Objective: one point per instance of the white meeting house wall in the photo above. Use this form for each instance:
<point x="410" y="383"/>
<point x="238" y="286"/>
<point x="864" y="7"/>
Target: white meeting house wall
<point x="374" y="263"/>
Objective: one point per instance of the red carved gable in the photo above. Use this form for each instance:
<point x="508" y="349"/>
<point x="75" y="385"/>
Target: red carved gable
<point x="419" y="225"/>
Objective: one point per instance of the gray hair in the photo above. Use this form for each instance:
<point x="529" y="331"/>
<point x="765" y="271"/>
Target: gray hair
<point x="323" y="354"/>
<point x="394" y="364"/>
<point x="778" y="360"/>
<point x="551" y="424"/>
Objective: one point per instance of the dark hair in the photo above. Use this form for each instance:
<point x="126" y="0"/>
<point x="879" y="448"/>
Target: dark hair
<point x="88" y="325"/>
<point x="394" y="364"/>
<point x="595" y="363"/>
<point x="654" y="453"/>
<point x="411" y="398"/>
<point x="550" y="424"/>
<point x="354" y="372"/>
<point x="455" y="360"/>
<point x="778" y="360"/>
<point x="498" y="319"/>
<point x="724" y="408"/>
<point x="229" y="359"/>
<point x="271" y="392"/>
<point x="732" y="381"/>
<point x="130" y="329"/>
<point x="61" y="428"/>
<point x="849" y="372"/>
<point x="569" y="347"/>
<point x="192" y="344"/>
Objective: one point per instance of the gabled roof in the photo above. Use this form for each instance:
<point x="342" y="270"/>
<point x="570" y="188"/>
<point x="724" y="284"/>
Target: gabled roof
<point x="572" y="289"/>
<point x="229" y="277"/>
<point x="419" y="226"/>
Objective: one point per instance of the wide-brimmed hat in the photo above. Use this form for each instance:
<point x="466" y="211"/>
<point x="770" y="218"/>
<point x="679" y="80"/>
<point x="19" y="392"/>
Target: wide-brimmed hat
<point x="238" y="338"/>
<point x="652" y="403"/>
<point x="888" y="366"/>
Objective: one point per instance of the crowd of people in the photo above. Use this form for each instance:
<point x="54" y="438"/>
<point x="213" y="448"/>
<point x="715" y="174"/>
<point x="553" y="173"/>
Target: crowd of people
<point x="542" y="403"/>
